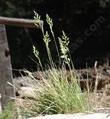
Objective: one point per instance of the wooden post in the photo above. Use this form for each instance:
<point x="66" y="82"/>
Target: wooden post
<point x="6" y="90"/>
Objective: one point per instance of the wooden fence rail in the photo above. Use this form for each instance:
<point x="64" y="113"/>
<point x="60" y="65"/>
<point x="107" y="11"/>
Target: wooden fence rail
<point x="7" y="90"/>
<point x="20" y="22"/>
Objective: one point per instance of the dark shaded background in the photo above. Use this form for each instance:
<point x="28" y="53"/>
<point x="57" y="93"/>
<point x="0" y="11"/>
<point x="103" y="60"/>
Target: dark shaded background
<point x="73" y="16"/>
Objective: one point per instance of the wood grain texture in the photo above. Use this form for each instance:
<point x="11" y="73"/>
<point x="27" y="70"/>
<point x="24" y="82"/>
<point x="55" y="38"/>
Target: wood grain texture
<point x="28" y="23"/>
<point x="6" y="90"/>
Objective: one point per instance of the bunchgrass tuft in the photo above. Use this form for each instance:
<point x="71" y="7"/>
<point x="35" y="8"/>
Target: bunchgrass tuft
<point x="59" y="90"/>
<point x="58" y="95"/>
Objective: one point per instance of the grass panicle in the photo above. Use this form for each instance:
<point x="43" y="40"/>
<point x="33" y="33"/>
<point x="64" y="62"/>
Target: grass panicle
<point x="37" y="19"/>
<point x="47" y="40"/>
<point x="36" y="53"/>
<point x="50" y="23"/>
<point x="64" y="42"/>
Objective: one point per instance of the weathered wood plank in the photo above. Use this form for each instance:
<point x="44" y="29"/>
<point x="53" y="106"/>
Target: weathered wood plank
<point x="6" y="90"/>
<point x="28" y="23"/>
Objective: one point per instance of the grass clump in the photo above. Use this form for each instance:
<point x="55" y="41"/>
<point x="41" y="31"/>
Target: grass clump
<point x="57" y="95"/>
<point x="58" y="92"/>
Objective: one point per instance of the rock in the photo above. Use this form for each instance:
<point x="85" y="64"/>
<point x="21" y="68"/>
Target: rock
<point x="75" y="116"/>
<point x="22" y="81"/>
<point x="27" y="92"/>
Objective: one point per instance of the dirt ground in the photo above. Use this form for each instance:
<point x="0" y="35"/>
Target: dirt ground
<point x="99" y="83"/>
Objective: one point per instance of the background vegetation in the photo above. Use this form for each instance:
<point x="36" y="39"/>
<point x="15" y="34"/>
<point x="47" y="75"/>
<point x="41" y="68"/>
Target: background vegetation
<point x="74" y="16"/>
